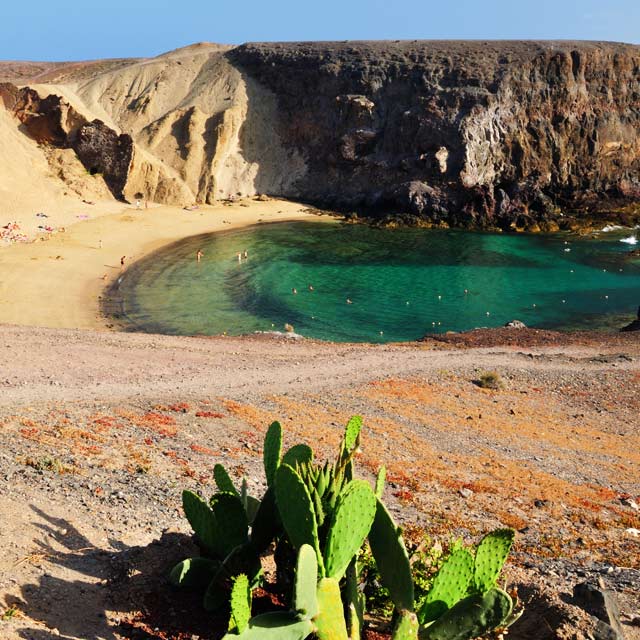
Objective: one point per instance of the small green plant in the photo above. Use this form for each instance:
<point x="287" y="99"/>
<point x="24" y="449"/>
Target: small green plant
<point x="490" y="380"/>
<point x="9" y="613"/>
<point x="46" y="463"/>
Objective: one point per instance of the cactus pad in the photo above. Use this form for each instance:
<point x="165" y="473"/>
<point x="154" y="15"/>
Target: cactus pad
<point x="490" y="558"/>
<point x="223" y="480"/>
<point x="272" y="450"/>
<point x="351" y="522"/>
<point x="296" y="509"/>
<point x="298" y="454"/>
<point x="266" y="523"/>
<point x="471" y="617"/>
<point x="202" y="521"/>
<point x="240" y="604"/>
<point x="193" y="572"/>
<point x="280" y="625"/>
<point x="389" y="551"/>
<point x="306" y="582"/>
<point x="406" y="627"/>
<point x="449" y="586"/>
<point x="231" y="520"/>
<point x="330" y="623"/>
<point x="351" y="433"/>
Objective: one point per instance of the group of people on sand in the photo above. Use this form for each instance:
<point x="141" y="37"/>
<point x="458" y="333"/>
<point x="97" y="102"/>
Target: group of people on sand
<point x="11" y="233"/>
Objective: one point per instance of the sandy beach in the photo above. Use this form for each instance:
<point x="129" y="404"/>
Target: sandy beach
<point x="57" y="281"/>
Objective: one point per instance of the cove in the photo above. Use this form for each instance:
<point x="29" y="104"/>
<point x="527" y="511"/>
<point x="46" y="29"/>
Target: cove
<point x="401" y="283"/>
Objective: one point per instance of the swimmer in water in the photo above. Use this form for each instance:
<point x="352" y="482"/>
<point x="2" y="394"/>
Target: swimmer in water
<point x="294" y="290"/>
<point x="310" y="287"/>
<point x="199" y="255"/>
<point x="245" y="255"/>
<point x="349" y="301"/>
<point x="239" y="256"/>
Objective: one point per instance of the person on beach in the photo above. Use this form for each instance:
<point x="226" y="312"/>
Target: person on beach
<point x="100" y="244"/>
<point x="122" y="263"/>
<point x="199" y="255"/>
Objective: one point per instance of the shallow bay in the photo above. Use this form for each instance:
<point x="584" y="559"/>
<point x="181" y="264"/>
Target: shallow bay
<point x="356" y="283"/>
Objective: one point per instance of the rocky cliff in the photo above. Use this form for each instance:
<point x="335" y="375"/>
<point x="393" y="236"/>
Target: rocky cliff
<point x="481" y="134"/>
<point x="470" y="133"/>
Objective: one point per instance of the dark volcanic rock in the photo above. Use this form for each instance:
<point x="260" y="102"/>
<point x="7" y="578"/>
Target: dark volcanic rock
<point x="102" y="150"/>
<point x="479" y="134"/>
<point x="634" y="325"/>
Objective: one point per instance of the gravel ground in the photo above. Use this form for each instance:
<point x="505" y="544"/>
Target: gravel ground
<point x="100" y="432"/>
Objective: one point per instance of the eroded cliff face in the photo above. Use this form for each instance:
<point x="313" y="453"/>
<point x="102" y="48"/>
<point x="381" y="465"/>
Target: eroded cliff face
<point x="478" y="134"/>
<point x="468" y="133"/>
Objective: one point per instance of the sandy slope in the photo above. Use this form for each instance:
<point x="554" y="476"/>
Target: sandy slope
<point x="57" y="283"/>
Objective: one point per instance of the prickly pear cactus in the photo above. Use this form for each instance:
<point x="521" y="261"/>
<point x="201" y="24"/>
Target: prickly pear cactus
<point x="193" y="572"/>
<point x="266" y="523"/>
<point x="280" y="625"/>
<point x="471" y="617"/>
<point x="390" y="553"/>
<point x="406" y="627"/>
<point x="330" y="623"/>
<point x="231" y="519"/>
<point x="349" y="527"/>
<point x="271" y="451"/>
<point x="490" y="558"/>
<point x="202" y="521"/>
<point x="240" y="604"/>
<point x="298" y="454"/>
<point x="305" y="600"/>
<point x="223" y="481"/>
<point x="296" y="510"/>
<point x="449" y="586"/>
<point x="351" y="433"/>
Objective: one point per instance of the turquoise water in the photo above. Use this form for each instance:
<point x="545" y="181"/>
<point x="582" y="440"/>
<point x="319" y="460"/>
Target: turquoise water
<point x="402" y="283"/>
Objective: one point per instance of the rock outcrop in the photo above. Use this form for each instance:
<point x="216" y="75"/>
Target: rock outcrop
<point x="516" y="135"/>
<point x="53" y="121"/>
<point x="468" y="133"/>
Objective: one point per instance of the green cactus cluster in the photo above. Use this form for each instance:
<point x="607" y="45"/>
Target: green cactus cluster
<point x="319" y="517"/>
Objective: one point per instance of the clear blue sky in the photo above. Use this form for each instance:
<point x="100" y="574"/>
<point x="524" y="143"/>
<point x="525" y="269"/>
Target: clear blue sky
<point x="74" y="30"/>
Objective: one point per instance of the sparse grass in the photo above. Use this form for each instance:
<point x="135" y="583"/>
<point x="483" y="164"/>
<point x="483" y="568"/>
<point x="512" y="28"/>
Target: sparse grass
<point x="46" y="463"/>
<point x="490" y="380"/>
